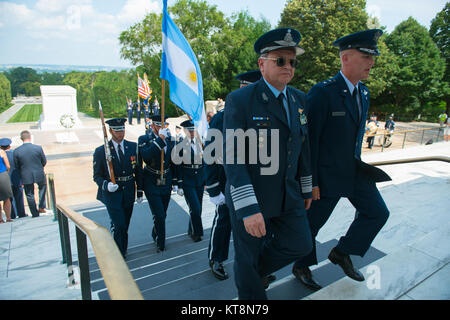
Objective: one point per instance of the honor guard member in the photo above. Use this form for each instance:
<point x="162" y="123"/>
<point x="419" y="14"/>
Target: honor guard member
<point x="215" y="186"/>
<point x="130" y="111"/>
<point x="267" y="207"/>
<point x="337" y="111"/>
<point x="138" y="106"/>
<point x="118" y="198"/>
<point x="191" y="179"/>
<point x="157" y="190"/>
<point x="178" y="134"/>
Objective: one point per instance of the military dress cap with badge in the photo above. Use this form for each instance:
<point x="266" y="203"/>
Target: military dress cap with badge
<point x="279" y="39"/>
<point x="188" y="125"/>
<point x="156" y="119"/>
<point x="253" y="190"/>
<point x="363" y="41"/>
<point x="116" y="124"/>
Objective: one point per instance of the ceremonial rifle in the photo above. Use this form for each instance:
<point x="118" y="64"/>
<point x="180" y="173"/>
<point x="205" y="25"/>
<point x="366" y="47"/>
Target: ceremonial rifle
<point x="107" y="149"/>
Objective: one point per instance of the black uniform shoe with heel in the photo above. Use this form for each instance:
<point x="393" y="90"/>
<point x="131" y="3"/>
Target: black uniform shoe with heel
<point x="344" y="261"/>
<point x="305" y="276"/>
<point x="218" y="270"/>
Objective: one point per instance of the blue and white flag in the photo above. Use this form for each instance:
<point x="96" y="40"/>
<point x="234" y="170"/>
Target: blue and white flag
<point x="180" y="67"/>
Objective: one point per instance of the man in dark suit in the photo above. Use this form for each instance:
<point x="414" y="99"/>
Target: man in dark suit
<point x="18" y="207"/>
<point x="118" y="197"/>
<point x="191" y="179"/>
<point x="157" y="190"/>
<point x="215" y="186"/>
<point x="267" y="199"/>
<point x="30" y="160"/>
<point x="130" y="111"/>
<point x="337" y="111"/>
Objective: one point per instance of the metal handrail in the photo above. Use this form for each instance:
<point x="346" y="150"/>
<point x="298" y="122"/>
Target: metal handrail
<point x="115" y="272"/>
<point x="410" y="160"/>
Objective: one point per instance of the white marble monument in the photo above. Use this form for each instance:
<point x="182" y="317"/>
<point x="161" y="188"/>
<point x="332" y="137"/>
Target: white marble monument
<point x="59" y="108"/>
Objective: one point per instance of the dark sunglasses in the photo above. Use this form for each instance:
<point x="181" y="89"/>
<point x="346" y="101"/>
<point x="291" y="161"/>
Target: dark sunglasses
<point x="282" y="61"/>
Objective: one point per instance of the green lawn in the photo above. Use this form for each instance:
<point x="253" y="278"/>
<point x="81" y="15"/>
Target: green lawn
<point x="28" y="113"/>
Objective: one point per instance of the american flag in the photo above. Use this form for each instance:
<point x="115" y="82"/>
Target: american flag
<point x="144" y="90"/>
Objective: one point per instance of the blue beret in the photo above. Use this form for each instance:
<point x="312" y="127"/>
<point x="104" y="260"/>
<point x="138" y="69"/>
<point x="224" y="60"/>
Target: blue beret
<point x="279" y="39"/>
<point x="156" y="119"/>
<point x="363" y="41"/>
<point x="4" y="142"/>
<point x="188" y="124"/>
<point x="249" y="77"/>
<point x="117" y="124"/>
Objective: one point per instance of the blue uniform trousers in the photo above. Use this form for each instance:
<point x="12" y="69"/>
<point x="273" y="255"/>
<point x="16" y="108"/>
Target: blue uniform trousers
<point x="130" y="116"/>
<point x="371" y="217"/>
<point x="120" y="221"/>
<point x="158" y="204"/>
<point x="287" y="239"/>
<point x="138" y="116"/>
<point x="194" y="199"/>
<point x="220" y="235"/>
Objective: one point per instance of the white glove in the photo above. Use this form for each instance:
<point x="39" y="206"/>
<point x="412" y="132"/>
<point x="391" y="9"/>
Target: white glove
<point x="139" y="199"/>
<point x="112" y="187"/>
<point x="164" y="132"/>
<point x="218" y="200"/>
<point x="180" y="192"/>
<point x="175" y="188"/>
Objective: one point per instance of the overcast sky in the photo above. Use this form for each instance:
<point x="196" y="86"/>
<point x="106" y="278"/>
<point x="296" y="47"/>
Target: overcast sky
<point x="85" y="32"/>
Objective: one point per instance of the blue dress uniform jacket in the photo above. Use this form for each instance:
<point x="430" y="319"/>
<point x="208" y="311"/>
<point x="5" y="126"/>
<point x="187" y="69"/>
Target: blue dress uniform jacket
<point x="279" y="196"/>
<point x="255" y="107"/>
<point x="336" y="131"/>
<point x="158" y="195"/>
<point x="119" y="203"/>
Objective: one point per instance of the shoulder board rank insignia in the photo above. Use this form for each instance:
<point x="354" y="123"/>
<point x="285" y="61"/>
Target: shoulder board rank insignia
<point x="302" y="117"/>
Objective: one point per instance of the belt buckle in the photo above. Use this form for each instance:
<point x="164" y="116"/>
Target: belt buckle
<point x="160" y="181"/>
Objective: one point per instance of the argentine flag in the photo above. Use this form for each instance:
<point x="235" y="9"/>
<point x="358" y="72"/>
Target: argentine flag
<point x="180" y="67"/>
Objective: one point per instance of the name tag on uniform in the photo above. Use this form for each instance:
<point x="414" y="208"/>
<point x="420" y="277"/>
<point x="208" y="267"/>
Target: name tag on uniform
<point x="338" y="114"/>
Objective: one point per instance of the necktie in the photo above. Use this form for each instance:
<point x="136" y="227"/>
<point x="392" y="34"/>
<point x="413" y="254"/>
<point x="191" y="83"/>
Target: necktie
<point x="281" y="99"/>
<point x="356" y="102"/>
<point x="121" y="156"/>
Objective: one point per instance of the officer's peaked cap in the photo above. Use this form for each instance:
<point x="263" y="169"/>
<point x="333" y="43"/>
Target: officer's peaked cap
<point x="117" y="124"/>
<point x="188" y="124"/>
<point x="279" y="39"/>
<point x="156" y="119"/>
<point x="363" y="41"/>
<point x="249" y="77"/>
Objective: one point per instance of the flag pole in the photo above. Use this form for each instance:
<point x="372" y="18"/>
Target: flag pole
<point x="162" y="126"/>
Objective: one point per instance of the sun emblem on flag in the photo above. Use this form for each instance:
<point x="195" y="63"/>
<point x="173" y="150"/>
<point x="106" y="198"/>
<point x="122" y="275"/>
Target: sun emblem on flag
<point x="192" y="76"/>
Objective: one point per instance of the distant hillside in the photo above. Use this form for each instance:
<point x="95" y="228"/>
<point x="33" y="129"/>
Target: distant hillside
<point x="41" y="68"/>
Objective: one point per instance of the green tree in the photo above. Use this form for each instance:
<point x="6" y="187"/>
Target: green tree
<point x="52" y="78"/>
<point x="440" y="33"/>
<point x="83" y="83"/>
<point x="320" y="22"/>
<point x="5" y="93"/>
<point x="421" y="67"/>
<point x="18" y="76"/>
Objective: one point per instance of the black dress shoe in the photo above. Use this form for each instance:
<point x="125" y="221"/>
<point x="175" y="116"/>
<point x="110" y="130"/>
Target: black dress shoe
<point x="267" y="280"/>
<point x="343" y="260"/>
<point x="196" y="238"/>
<point x="218" y="270"/>
<point x="158" y="249"/>
<point x="305" y="276"/>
